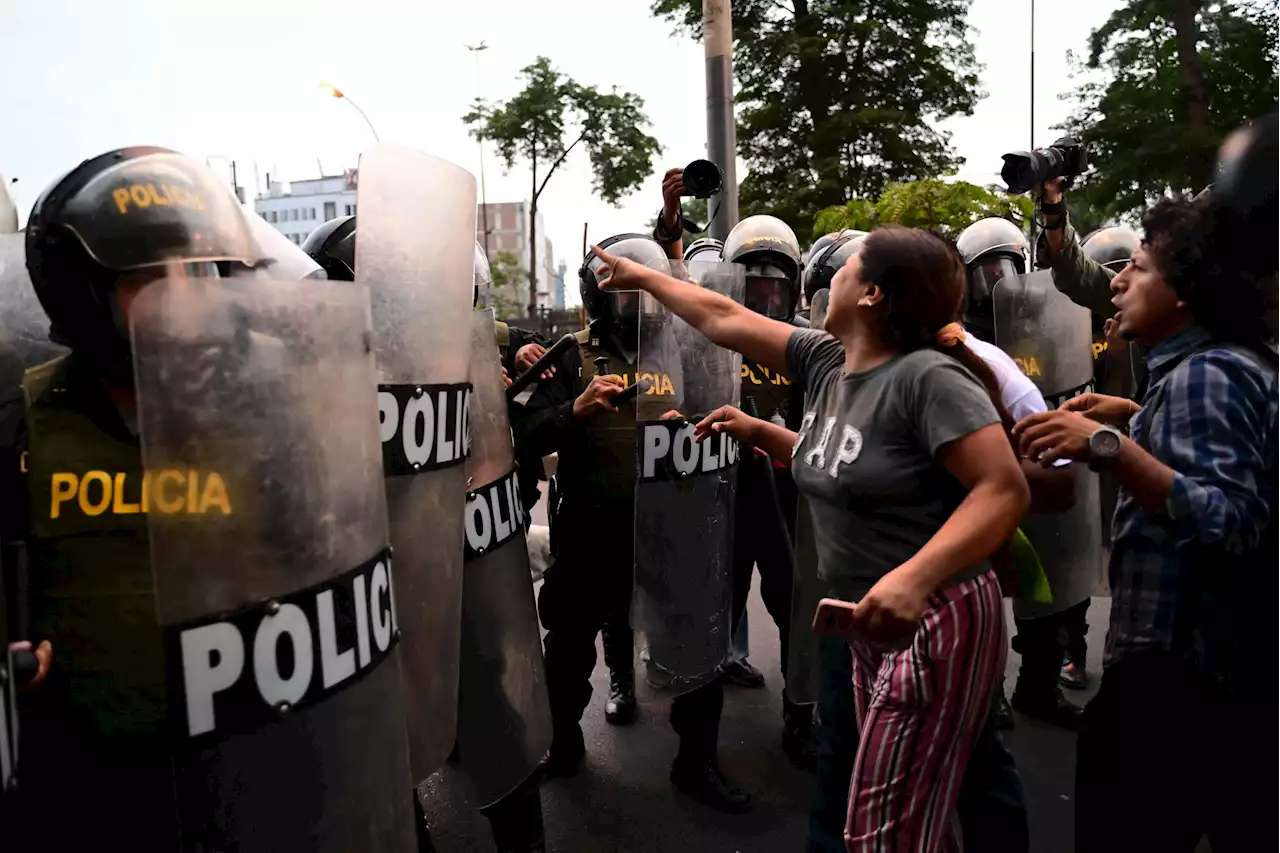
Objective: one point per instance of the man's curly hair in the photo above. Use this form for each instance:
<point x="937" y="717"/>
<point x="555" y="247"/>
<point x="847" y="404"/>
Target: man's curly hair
<point x="1230" y="302"/>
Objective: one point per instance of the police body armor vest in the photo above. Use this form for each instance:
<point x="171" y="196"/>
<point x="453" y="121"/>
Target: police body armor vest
<point x="770" y="391"/>
<point x="611" y="466"/>
<point x="502" y="337"/>
<point x="91" y="587"/>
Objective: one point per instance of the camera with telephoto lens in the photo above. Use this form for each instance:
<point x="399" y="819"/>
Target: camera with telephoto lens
<point x="702" y="179"/>
<point x="1025" y="170"/>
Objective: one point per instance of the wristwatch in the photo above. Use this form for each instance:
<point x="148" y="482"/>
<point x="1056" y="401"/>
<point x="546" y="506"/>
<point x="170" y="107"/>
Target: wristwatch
<point x="1104" y="445"/>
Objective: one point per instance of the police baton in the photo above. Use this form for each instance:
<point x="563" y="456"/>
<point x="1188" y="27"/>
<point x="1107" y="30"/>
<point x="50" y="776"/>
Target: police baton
<point x="524" y="380"/>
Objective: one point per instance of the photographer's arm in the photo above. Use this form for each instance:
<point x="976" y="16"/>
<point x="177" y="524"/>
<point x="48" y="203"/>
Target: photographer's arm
<point x="1085" y="282"/>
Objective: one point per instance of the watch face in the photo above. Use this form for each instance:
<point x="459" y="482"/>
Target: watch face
<point x="1105" y="443"/>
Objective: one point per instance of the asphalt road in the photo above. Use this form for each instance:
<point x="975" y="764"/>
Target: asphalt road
<point x="623" y="800"/>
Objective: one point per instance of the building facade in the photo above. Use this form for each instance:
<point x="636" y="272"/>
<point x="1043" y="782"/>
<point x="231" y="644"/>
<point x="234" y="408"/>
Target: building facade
<point x="298" y="208"/>
<point x="508" y="231"/>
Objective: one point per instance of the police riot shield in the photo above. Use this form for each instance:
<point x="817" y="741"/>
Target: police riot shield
<point x="24" y="328"/>
<point x="504" y="719"/>
<point x="681" y="606"/>
<point x="272" y="574"/>
<point x="807" y="588"/>
<point x="415" y="249"/>
<point x="1050" y="338"/>
<point x="8" y="212"/>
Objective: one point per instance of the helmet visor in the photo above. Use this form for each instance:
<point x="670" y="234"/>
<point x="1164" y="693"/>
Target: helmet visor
<point x="157" y="209"/>
<point x="986" y="274"/>
<point x="769" y="296"/>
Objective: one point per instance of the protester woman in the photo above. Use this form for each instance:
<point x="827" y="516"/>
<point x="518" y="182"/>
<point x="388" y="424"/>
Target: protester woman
<point x="913" y="484"/>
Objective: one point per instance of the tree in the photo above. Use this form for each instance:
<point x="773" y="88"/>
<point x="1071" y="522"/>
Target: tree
<point x="1170" y="79"/>
<point x="504" y="269"/>
<point x="535" y="124"/>
<point x="932" y="203"/>
<point x="836" y="99"/>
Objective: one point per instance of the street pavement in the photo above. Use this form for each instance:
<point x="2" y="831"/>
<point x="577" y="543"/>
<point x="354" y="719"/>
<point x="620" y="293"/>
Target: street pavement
<point x="623" y="801"/>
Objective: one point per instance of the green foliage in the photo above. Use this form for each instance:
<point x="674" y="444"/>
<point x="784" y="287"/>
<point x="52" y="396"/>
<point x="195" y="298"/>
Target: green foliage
<point x="537" y="124"/>
<point x="837" y="99"/>
<point x="505" y="270"/>
<point x="947" y="207"/>
<point x="1164" y="82"/>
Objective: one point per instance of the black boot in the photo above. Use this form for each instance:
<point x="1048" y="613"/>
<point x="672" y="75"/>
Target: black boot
<point x="620" y="709"/>
<point x="568" y="749"/>
<point x="516" y="819"/>
<point x="799" y="735"/>
<point x="1038" y="693"/>
<point x="701" y="779"/>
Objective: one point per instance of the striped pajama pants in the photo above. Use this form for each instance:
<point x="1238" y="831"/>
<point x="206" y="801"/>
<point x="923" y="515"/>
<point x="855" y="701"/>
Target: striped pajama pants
<point x="919" y="710"/>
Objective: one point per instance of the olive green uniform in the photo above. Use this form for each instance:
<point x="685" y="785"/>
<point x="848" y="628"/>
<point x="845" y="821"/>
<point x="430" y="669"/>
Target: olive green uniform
<point x="94" y="734"/>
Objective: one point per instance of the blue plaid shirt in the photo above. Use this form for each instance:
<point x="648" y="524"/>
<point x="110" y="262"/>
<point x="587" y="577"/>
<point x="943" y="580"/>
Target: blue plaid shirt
<point x="1217" y="429"/>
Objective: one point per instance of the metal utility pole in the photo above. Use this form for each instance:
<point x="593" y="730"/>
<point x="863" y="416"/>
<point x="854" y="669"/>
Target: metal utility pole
<point x="1032" y="229"/>
<point x="484" y="204"/>
<point x="722" y="138"/>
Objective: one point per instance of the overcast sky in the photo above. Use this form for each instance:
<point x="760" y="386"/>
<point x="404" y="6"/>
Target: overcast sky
<point x="239" y="78"/>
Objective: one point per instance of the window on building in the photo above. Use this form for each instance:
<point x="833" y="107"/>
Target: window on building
<point x="293" y="215"/>
<point x="348" y="209"/>
<point x="313" y="214"/>
<point x="330" y="210"/>
<point x="271" y="216"/>
<point x="495" y="220"/>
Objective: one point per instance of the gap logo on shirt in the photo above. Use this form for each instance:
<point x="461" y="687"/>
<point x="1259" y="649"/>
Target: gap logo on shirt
<point x="829" y="452"/>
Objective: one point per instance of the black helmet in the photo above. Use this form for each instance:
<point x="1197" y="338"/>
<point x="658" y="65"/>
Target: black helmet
<point x="126" y="210"/>
<point x="704" y="246"/>
<point x="991" y="249"/>
<point x="1111" y="247"/>
<point x="768" y="248"/>
<point x="333" y="247"/>
<point x="827" y="261"/>
<point x="1243" y="196"/>
<point x="620" y="308"/>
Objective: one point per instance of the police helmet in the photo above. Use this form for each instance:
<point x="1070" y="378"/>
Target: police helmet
<point x="708" y="247"/>
<point x="768" y="248"/>
<point x="483" y="275"/>
<point x="333" y="247"/>
<point x="991" y="249"/>
<point x="1111" y="247"/>
<point x="818" y="245"/>
<point x="828" y="260"/>
<point x="621" y="308"/>
<point x="127" y="211"/>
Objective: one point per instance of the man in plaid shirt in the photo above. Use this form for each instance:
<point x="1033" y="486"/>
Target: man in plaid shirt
<point x="1164" y="751"/>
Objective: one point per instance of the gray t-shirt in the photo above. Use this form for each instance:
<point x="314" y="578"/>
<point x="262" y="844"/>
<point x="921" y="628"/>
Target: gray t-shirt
<point x="864" y="459"/>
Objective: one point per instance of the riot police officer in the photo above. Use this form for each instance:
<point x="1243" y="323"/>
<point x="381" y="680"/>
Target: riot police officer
<point x="94" y="735"/>
<point x="593" y="529"/>
<point x="764" y="528"/>
<point x="995" y="250"/>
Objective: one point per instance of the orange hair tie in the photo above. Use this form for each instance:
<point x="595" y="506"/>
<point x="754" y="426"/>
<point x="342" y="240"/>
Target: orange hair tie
<point x="950" y="335"/>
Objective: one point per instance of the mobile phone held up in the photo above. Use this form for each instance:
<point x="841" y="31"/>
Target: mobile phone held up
<point x="834" y="618"/>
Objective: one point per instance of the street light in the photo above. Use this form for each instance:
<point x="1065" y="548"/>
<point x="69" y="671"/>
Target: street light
<point x="337" y="93"/>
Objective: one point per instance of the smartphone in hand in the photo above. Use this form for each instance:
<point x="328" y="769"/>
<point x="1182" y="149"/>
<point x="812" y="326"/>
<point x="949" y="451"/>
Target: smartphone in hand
<point x="834" y="618"/>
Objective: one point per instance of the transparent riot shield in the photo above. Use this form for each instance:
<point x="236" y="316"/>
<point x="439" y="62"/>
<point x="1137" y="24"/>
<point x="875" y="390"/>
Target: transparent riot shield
<point x="272" y="573"/>
<point x="504" y="719"/>
<point x="24" y="328"/>
<point x="1051" y="340"/>
<point x="8" y="213"/>
<point x="807" y="588"/>
<point x="415" y="249"/>
<point x="681" y="603"/>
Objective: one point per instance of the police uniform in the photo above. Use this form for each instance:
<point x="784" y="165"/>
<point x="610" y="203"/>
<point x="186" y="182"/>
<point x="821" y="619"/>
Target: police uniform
<point x="95" y="750"/>
<point x="593" y="522"/>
